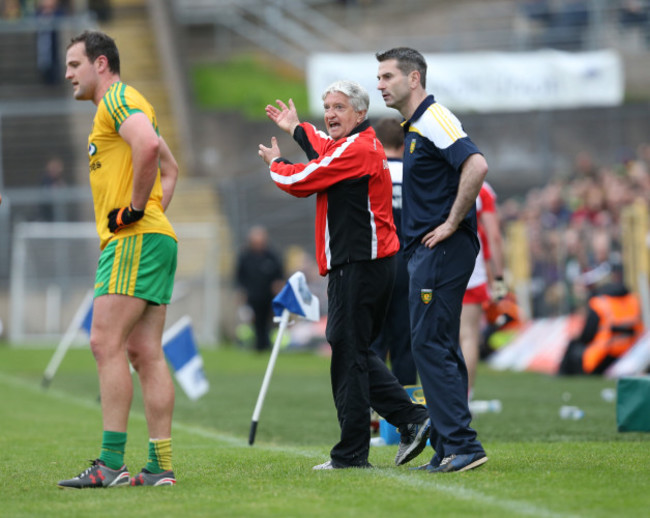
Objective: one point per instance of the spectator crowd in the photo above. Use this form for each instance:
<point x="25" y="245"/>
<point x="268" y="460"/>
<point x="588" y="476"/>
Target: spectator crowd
<point x="574" y="228"/>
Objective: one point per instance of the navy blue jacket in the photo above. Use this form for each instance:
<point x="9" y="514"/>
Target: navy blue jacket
<point x="435" y="148"/>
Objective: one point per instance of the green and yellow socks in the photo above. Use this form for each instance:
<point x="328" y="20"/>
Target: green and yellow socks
<point x="160" y="456"/>
<point x="114" y="445"/>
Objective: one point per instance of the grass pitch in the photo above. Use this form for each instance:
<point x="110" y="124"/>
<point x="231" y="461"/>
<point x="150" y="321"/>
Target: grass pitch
<point x="540" y="465"/>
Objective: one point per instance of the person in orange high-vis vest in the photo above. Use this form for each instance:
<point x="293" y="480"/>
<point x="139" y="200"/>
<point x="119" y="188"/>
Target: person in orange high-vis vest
<point x="612" y="326"/>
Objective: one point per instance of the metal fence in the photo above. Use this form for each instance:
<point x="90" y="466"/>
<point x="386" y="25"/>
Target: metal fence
<point x="292" y="28"/>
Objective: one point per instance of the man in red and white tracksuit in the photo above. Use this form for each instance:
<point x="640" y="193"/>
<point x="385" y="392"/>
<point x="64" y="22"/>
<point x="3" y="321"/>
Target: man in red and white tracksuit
<point x="355" y="244"/>
<point x="488" y="271"/>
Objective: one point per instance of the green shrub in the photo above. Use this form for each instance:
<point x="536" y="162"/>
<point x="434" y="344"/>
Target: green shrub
<point x="247" y="83"/>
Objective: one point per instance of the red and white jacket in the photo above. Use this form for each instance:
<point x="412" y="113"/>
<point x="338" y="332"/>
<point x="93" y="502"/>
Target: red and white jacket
<point x="352" y="183"/>
<point x="485" y="202"/>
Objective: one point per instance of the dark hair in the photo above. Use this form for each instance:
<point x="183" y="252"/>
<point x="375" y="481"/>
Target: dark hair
<point x="99" y="44"/>
<point x="389" y="132"/>
<point x="408" y="60"/>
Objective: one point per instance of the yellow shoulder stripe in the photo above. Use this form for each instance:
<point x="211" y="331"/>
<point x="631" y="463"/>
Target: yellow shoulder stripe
<point x="445" y="123"/>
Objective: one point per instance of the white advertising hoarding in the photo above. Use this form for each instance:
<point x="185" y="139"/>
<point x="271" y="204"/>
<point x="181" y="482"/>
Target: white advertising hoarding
<point x="487" y="81"/>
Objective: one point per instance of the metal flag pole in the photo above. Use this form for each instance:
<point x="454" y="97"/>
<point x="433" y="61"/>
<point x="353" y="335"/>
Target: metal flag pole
<point x="67" y="339"/>
<point x="284" y="322"/>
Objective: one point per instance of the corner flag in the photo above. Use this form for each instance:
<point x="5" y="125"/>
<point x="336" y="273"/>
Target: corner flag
<point x="181" y="351"/>
<point x="296" y="297"/>
<point x="82" y="320"/>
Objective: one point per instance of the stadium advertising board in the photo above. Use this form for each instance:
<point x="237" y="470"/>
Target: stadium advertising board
<point x="487" y="81"/>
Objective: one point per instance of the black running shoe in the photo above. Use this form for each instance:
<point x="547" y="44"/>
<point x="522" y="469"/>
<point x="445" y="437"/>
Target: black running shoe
<point x="413" y="439"/>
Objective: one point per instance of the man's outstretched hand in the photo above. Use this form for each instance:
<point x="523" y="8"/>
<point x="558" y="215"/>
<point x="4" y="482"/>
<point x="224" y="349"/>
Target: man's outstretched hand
<point x="286" y="117"/>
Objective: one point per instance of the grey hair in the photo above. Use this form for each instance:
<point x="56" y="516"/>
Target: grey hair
<point x="357" y="94"/>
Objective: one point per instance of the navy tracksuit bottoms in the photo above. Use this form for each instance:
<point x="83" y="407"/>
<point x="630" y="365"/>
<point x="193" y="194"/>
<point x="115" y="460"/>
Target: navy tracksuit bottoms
<point x="438" y="280"/>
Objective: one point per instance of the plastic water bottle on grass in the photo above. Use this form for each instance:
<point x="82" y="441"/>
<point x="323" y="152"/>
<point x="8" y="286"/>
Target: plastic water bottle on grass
<point x="572" y="413"/>
<point x="608" y="394"/>
<point x="477" y="406"/>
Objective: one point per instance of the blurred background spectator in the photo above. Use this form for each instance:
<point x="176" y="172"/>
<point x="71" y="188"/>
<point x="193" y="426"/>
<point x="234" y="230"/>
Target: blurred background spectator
<point x="564" y="25"/>
<point x="52" y="179"/>
<point x="48" y="60"/>
<point x="635" y="15"/>
<point x="260" y="276"/>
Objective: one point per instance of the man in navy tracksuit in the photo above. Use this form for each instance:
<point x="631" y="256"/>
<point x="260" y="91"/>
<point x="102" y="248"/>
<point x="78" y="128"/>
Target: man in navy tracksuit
<point x="355" y="246"/>
<point x="443" y="173"/>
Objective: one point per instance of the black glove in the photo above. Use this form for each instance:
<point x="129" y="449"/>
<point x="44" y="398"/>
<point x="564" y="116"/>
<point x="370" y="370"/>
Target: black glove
<point x="120" y="218"/>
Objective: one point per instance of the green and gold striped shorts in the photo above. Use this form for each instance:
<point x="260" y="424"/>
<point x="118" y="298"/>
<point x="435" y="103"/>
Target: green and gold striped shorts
<point x="141" y="266"/>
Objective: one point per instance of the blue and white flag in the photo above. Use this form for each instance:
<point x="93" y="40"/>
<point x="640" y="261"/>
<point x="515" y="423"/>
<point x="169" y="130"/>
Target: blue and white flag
<point x="183" y="355"/>
<point x="87" y="322"/>
<point x="296" y="297"/>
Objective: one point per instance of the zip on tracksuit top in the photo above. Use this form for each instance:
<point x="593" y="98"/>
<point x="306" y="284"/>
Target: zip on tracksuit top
<point x="352" y="183"/>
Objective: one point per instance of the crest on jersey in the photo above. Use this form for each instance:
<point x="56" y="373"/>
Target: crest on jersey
<point x="426" y="295"/>
<point x="92" y="149"/>
<point x="412" y="146"/>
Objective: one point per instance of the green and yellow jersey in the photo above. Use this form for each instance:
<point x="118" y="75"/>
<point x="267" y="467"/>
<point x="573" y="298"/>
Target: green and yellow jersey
<point x="111" y="166"/>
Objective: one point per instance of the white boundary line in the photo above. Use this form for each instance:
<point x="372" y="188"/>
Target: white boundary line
<point x="433" y="483"/>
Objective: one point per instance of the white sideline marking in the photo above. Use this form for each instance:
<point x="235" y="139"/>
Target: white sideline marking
<point x="414" y="479"/>
<point x="517" y="507"/>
